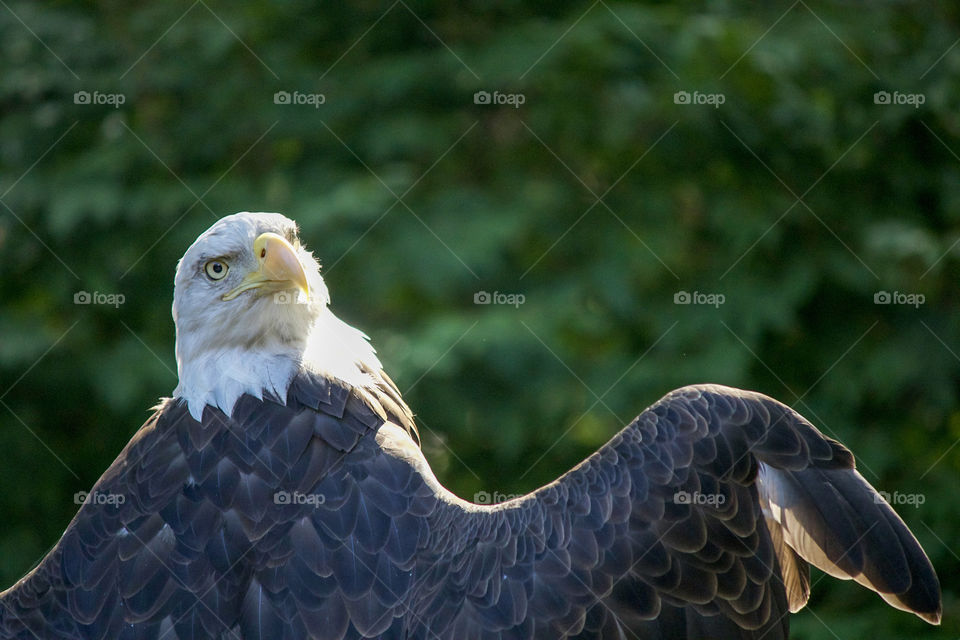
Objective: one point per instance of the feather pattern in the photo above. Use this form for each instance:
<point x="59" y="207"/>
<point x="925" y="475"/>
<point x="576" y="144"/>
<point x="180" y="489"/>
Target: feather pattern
<point x="319" y="517"/>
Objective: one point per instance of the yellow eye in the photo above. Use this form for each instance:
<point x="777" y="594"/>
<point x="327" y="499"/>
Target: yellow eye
<point x="216" y="269"/>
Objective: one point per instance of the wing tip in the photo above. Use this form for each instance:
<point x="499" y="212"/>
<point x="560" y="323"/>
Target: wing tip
<point x="931" y="616"/>
<point x="926" y="605"/>
<point x="930" y="611"/>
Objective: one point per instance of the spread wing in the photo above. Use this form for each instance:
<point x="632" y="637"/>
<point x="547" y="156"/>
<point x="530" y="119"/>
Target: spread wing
<point x="320" y="518"/>
<point x="697" y="520"/>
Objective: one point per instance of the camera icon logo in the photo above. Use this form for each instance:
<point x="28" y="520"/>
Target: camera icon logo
<point x="682" y="297"/>
<point x="682" y="497"/>
<point x="281" y="97"/>
<point x="81" y="97"/>
<point x="281" y="497"/>
<point x="481" y="97"/>
<point x="482" y="297"/>
<point x="881" y="97"/>
<point x="482" y="497"/>
<point x="882" y="297"/>
<point x="681" y="97"/>
<point x="82" y="297"/>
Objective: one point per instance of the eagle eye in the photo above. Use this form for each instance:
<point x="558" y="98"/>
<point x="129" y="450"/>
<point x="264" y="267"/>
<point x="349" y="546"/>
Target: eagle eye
<point x="216" y="269"/>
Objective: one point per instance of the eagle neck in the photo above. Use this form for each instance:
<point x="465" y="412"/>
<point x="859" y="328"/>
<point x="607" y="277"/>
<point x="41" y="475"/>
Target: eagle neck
<point x="221" y="375"/>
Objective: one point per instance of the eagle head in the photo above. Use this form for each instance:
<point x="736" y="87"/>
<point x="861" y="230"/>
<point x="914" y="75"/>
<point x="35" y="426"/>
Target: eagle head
<point x="251" y="309"/>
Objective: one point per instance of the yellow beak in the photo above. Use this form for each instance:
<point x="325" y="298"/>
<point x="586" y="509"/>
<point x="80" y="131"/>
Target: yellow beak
<point x="280" y="269"/>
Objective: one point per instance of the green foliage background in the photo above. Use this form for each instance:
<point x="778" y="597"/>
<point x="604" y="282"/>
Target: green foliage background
<point x="497" y="198"/>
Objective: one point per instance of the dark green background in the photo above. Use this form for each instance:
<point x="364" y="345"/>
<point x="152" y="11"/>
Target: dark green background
<point x="496" y="198"/>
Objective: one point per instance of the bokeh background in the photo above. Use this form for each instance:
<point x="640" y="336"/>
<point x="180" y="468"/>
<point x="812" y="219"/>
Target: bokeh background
<point x="789" y="167"/>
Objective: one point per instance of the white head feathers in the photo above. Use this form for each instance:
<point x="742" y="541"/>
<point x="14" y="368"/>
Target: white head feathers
<point x="268" y="329"/>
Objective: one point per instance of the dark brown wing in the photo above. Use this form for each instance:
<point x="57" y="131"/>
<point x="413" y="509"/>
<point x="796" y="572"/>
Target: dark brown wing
<point x="662" y="534"/>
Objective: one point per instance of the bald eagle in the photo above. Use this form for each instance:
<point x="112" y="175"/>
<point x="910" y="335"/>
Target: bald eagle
<point x="281" y="494"/>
